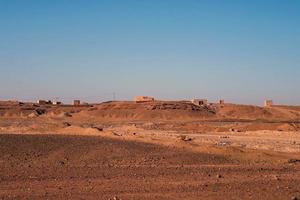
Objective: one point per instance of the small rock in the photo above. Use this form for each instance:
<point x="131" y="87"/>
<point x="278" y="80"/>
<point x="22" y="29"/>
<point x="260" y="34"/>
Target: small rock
<point x="294" y="198"/>
<point x="115" y="198"/>
<point x="276" y="178"/>
<point x="219" y="176"/>
<point x="293" y="161"/>
<point x="117" y="134"/>
<point x="224" y="137"/>
<point x="66" y="124"/>
<point x="185" y="138"/>
<point x="234" y="130"/>
<point x="33" y="115"/>
<point x="97" y="128"/>
<point x="40" y="111"/>
<point x="223" y="143"/>
<point x="67" y="114"/>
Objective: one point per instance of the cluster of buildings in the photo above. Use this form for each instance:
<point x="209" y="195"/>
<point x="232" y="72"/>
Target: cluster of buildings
<point x="49" y="102"/>
<point x="204" y="102"/>
<point x="198" y="102"/>
<point x="141" y="99"/>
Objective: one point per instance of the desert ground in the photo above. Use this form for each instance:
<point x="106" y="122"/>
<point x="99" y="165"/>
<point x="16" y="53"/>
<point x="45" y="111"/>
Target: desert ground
<point x="153" y="150"/>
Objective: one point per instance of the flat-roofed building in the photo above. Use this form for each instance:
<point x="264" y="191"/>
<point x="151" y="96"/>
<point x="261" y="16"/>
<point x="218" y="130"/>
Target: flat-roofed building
<point x="140" y="99"/>
<point x="76" y="102"/>
<point x="44" y="102"/>
<point x="268" y="103"/>
<point x="200" y="102"/>
<point x="57" y="103"/>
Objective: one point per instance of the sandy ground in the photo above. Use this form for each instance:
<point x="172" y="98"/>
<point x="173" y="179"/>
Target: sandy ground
<point x="89" y="167"/>
<point x="129" y="151"/>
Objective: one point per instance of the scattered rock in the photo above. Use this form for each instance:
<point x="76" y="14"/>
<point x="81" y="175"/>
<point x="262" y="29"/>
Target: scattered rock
<point x="294" y="125"/>
<point x="40" y="111"/>
<point x="224" y="137"/>
<point x="294" y="161"/>
<point x="34" y="114"/>
<point x="66" y="114"/>
<point x="60" y="114"/>
<point x="234" y="130"/>
<point x="92" y="109"/>
<point x="116" y="134"/>
<point x="97" y="128"/>
<point x="185" y="138"/>
<point x="66" y="124"/>
<point x="87" y="125"/>
<point x="276" y="178"/>
<point x="223" y="143"/>
<point x="150" y="125"/>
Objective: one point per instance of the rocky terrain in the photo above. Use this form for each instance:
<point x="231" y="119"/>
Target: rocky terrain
<point x="157" y="150"/>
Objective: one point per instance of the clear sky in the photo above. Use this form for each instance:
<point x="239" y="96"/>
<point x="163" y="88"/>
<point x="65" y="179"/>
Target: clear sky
<point x="240" y="51"/>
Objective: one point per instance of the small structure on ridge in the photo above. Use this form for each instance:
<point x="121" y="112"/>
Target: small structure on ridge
<point x="140" y="99"/>
<point x="268" y="103"/>
<point x="200" y="102"/>
<point x="76" y="102"/>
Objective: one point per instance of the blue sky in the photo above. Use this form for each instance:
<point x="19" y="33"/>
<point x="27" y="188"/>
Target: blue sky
<point x="240" y="51"/>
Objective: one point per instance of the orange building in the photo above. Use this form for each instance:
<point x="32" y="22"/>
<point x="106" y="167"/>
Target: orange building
<point x="268" y="103"/>
<point x="139" y="99"/>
